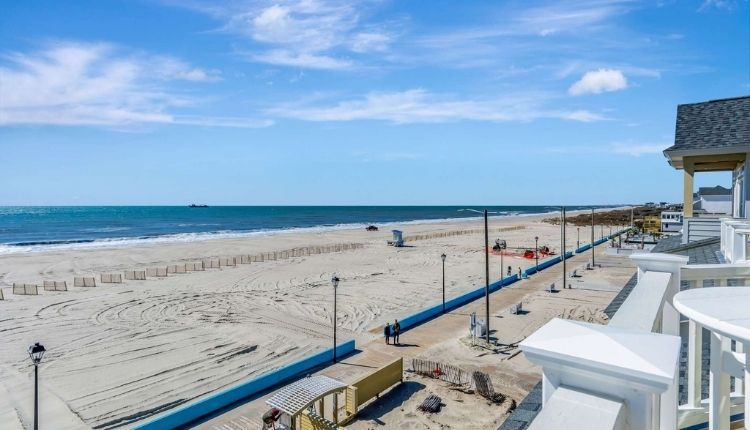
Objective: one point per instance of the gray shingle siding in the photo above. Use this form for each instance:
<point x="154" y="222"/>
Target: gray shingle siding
<point x="715" y="124"/>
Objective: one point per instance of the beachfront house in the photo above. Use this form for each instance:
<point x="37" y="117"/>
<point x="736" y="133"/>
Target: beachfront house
<point x="713" y="201"/>
<point x="676" y="351"/>
<point x="712" y="136"/>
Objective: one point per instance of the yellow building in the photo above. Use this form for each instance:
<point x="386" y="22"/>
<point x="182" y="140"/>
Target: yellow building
<point x="652" y="224"/>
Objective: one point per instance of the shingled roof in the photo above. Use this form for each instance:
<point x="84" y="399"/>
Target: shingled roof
<point x="714" y="124"/>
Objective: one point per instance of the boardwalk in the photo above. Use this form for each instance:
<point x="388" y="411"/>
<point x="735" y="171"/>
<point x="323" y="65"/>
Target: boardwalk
<point x="438" y="338"/>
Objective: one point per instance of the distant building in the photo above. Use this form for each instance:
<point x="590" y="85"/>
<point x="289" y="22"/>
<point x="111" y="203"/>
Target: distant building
<point x="713" y="200"/>
<point x="671" y="221"/>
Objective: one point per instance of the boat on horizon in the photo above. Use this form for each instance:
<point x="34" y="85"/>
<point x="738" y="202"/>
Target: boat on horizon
<point x="193" y="205"/>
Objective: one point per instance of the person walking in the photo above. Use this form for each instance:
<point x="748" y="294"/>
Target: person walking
<point x="387" y="333"/>
<point x="396" y="331"/>
<point x="519" y="273"/>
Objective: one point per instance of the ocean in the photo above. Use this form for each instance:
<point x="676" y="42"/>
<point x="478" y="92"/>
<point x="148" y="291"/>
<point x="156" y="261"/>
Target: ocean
<point x="35" y="228"/>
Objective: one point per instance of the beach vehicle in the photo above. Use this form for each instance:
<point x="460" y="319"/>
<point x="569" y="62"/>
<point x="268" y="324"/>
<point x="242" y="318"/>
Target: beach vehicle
<point x="371" y="228"/>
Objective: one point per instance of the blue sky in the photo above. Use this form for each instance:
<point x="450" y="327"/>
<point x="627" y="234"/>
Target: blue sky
<point x="357" y="102"/>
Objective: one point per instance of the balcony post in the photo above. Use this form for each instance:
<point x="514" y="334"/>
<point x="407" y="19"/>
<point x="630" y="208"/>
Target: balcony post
<point x="719" y="399"/>
<point x="695" y="364"/>
<point x="656" y="262"/>
<point x="687" y="190"/>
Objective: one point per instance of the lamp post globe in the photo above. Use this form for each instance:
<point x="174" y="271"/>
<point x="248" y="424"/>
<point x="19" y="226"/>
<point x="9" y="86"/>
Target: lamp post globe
<point x="36" y="353"/>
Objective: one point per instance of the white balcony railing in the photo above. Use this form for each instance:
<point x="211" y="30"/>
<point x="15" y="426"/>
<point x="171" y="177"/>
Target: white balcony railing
<point x="630" y="366"/>
<point x="734" y="239"/>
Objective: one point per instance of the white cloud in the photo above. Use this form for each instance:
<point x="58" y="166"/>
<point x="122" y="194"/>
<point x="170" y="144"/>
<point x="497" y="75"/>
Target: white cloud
<point x="99" y="84"/>
<point x="316" y="34"/>
<point x="420" y="106"/>
<point x="599" y="81"/>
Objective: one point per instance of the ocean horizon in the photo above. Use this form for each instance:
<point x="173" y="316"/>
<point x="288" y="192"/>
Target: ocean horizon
<point x="37" y="228"/>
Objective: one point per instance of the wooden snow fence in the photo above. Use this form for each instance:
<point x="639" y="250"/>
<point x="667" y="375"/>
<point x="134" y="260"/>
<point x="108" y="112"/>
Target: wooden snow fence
<point x="156" y="272"/>
<point x="177" y="268"/>
<point x="441" y="234"/>
<point x="1" y="294"/>
<point x="111" y="278"/>
<point x="25" y="289"/>
<point x="445" y="372"/>
<point x="196" y="266"/>
<point x="55" y="286"/>
<point x="83" y="281"/>
<point x="483" y="386"/>
<point x="227" y="262"/>
<point x="211" y="263"/>
<point x="135" y="275"/>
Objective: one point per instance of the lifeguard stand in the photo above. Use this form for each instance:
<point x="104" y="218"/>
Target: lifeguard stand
<point x="302" y="404"/>
<point x="398" y="239"/>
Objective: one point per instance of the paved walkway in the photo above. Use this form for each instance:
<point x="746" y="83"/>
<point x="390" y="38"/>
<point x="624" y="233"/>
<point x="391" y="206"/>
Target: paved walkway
<point x="454" y="324"/>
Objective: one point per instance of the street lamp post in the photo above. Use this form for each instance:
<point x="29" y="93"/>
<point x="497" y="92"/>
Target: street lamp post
<point x="487" y="278"/>
<point x="442" y="257"/>
<point x="335" y="283"/>
<point x="36" y="352"/>
<point x="592" y="238"/>
<point x="536" y="253"/>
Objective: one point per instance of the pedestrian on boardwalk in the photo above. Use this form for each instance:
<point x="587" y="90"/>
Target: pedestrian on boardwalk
<point x="396" y="331"/>
<point x="519" y="273"/>
<point x="387" y="333"/>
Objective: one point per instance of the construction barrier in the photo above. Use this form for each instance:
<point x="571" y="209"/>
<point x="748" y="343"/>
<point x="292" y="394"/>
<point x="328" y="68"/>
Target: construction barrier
<point x="111" y="278"/>
<point x="209" y="404"/>
<point x="156" y="272"/>
<point x="25" y="289"/>
<point x="177" y="268"/>
<point x="369" y="386"/>
<point x="135" y="275"/>
<point x="55" y="286"/>
<point x="79" y="281"/>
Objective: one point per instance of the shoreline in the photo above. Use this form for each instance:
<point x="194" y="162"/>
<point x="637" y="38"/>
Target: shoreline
<point x="187" y="238"/>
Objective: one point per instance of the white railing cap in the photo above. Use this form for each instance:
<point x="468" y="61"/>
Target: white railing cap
<point x="646" y="358"/>
<point x="568" y="408"/>
<point x="660" y="257"/>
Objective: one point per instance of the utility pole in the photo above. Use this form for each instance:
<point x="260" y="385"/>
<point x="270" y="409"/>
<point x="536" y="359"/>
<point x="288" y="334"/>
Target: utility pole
<point x="562" y="246"/>
<point x="487" y="278"/>
<point x="592" y="238"/>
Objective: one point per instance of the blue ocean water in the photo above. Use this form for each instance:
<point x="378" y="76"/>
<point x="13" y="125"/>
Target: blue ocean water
<point x="35" y="227"/>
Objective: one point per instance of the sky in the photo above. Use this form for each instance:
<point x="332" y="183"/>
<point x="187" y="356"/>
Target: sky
<point x="358" y="102"/>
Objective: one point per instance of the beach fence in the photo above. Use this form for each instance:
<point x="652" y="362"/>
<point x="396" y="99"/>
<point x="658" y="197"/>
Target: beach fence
<point x="1" y="294"/>
<point x="111" y="278"/>
<point x="211" y="263"/>
<point x="25" y="289"/>
<point x="442" y="234"/>
<point x="84" y="281"/>
<point x="227" y="262"/>
<point x="55" y="286"/>
<point x="196" y="266"/>
<point x="156" y="272"/>
<point x="177" y="268"/>
<point x="135" y="275"/>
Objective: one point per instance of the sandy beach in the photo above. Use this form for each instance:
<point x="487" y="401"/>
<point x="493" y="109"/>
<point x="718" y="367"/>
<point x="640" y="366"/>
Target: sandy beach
<point x="119" y="352"/>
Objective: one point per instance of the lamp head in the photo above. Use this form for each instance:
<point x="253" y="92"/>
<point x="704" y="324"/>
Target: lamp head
<point x="36" y="352"/>
<point x="335" y="281"/>
<point x="442" y="257"/>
